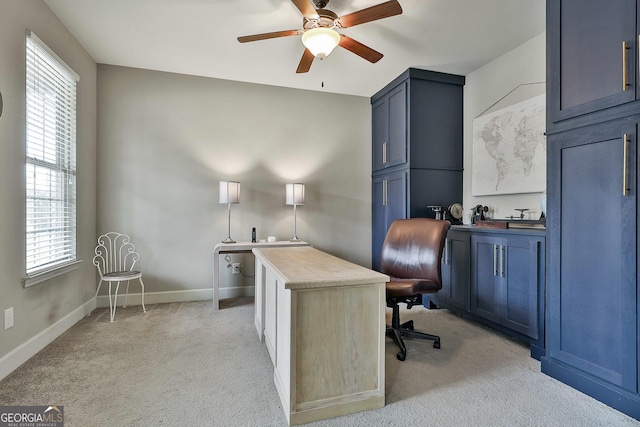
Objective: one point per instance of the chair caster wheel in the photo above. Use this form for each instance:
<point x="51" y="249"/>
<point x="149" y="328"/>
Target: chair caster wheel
<point x="401" y="356"/>
<point x="436" y="344"/>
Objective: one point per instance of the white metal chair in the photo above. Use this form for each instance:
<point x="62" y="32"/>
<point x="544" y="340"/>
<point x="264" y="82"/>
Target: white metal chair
<point x="115" y="258"/>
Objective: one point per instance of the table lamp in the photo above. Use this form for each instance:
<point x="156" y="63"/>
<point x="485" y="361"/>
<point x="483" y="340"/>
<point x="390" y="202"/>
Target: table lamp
<point x="229" y="194"/>
<point x="295" y="197"/>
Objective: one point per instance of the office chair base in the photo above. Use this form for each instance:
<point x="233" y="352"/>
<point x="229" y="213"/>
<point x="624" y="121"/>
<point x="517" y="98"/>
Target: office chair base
<point x="396" y="331"/>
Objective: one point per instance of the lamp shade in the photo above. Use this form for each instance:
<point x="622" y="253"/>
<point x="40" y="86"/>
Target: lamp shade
<point x="294" y="194"/>
<point x="229" y="192"/>
<point x="320" y="41"/>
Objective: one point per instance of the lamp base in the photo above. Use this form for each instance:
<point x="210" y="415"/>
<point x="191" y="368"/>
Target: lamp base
<point x="228" y="240"/>
<point x="294" y="239"/>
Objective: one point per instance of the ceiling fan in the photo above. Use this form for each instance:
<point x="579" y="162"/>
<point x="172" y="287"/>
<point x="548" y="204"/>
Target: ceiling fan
<point x="319" y="30"/>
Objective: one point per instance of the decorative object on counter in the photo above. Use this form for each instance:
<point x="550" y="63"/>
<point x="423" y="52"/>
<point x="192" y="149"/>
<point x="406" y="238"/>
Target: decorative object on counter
<point x="271" y="239"/>
<point x="504" y="224"/>
<point x="478" y="213"/>
<point x="543" y="205"/>
<point x="229" y="194"/>
<point x="521" y="216"/>
<point x="454" y="214"/>
<point x="253" y="235"/>
<point x="438" y="211"/>
<point x="294" y="197"/>
<point x="521" y="222"/>
<point x="498" y="223"/>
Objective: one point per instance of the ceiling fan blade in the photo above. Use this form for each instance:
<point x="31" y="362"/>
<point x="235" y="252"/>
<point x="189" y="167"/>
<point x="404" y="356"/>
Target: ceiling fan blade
<point x="264" y="36"/>
<point x="305" y="62"/>
<point x="373" y="13"/>
<point x="305" y="8"/>
<point x="359" y="49"/>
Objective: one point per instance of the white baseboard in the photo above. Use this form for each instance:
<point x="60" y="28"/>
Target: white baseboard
<point x="28" y="349"/>
<point x="238" y="291"/>
<point x="177" y="296"/>
<point x="22" y="353"/>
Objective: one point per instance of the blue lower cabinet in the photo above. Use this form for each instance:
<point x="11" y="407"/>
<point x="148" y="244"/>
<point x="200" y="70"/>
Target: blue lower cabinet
<point x="455" y="272"/>
<point x="592" y="293"/>
<point x="389" y="202"/>
<point x="507" y="281"/>
<point x="496" y="277"/>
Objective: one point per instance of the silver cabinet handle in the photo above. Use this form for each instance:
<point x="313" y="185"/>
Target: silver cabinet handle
<point x="446" y="251"/>
<point x="624" y="65"/>
<point x="495" y="260"/>
<point x="501" y="261"/>
<point x="625" y="150"/>
<point x="384" y="153"/>
<point x="385" y="191"/>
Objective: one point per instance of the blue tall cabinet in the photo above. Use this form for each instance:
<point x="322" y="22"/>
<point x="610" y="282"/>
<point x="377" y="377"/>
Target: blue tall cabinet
<point x="593" y="113"/>
<point x="417" y="149"/>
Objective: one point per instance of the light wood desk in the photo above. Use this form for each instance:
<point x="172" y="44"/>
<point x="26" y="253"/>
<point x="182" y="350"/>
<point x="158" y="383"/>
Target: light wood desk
<point x="235" y="248"/>
<point x="323" y="323"/>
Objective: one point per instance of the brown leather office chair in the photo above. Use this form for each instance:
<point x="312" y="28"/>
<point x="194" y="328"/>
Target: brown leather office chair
<point x="411" y="255"/>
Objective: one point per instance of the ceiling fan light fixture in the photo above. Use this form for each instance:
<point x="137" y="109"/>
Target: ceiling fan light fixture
<point x="320" y="41"/>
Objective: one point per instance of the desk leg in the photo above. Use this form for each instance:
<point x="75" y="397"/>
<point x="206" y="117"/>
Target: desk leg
<point x="216" y="279"/>
<point x="259" y="299"/>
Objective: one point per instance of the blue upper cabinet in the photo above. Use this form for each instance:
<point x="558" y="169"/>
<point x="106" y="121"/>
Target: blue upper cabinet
<point x="592" y="48"/>
<point x="390" y="129"/>
<point x="417" y="122"/>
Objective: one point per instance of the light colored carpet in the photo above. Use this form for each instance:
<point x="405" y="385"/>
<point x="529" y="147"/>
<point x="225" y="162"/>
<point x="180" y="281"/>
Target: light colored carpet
<point x="183" y="364"/>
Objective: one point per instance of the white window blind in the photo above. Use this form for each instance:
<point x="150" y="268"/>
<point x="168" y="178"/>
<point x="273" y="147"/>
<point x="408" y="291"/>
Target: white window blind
<point x="50" y="159"/>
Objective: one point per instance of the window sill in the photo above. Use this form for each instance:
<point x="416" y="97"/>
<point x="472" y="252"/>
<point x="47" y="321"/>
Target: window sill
<point x="58" y="270"/>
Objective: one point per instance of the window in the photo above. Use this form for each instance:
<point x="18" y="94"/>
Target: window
<point x="50" y="160"/>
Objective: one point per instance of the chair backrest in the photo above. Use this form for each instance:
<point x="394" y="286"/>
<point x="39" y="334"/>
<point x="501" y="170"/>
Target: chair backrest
<point x="413" y="248"/>
<point x="115" y="252"/>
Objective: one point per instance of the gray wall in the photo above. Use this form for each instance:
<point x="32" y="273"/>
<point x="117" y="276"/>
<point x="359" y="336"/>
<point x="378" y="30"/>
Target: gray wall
<point x="165" y="140"/>
<point x="40" y="306"/>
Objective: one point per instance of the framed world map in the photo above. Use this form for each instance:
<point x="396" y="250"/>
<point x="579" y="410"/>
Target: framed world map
<point x="510" y="150"/>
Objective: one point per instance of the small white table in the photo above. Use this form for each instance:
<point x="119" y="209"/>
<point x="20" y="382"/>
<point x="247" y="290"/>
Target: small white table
<point x="240" y="247"/>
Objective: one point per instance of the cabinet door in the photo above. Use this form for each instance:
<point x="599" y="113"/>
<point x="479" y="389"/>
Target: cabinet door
<point x="397" y="148"/>
<point x="587" y="62"/>
<point x="592" y="292"/>
<point x="485" y="277"/>
<point x="390" y="129"/>
<point x="389" y="194"/>
<point x="380" y="132"/>
<point x="455" y="271"/>
<point x="522" y="275"/>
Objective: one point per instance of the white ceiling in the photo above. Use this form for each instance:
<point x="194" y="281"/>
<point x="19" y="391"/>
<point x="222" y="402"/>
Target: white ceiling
<point x="198" y="37"/>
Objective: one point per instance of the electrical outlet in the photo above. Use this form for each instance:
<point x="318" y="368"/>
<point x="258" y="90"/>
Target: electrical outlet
<point x="235" y="268"/>
<point x="8" y="318"/>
